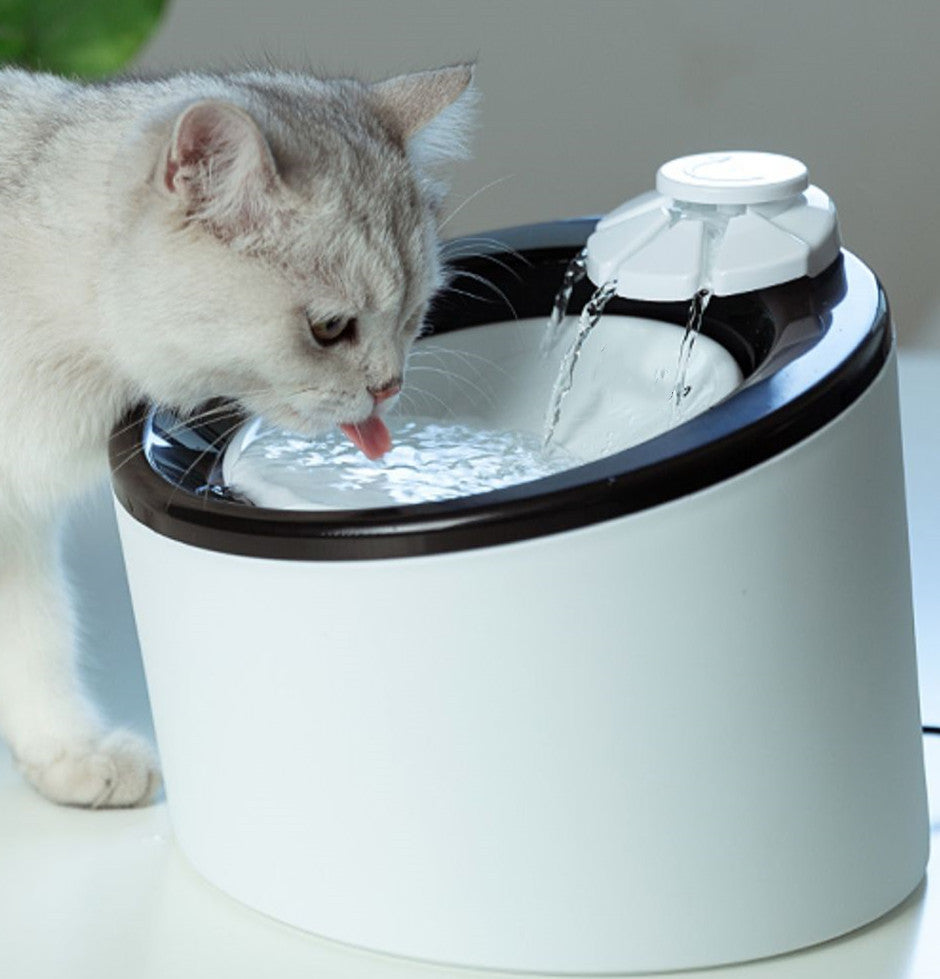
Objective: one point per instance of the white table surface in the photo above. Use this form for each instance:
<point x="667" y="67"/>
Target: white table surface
<point x="107" y="895"/>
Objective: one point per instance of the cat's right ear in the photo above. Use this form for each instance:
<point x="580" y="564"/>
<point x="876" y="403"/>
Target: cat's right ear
<point x="219" y="168"/>
<point x="432" y="111"/>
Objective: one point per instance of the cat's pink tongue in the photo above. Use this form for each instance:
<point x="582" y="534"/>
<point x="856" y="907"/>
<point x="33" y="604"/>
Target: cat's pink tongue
<point x="371" y="436"/>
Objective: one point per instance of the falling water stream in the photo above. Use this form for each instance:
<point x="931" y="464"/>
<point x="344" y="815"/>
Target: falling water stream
<point x="715" y="222"/>
<point x="574" y="273"/>
<point x="693" y="327"/>
<point x="590" y="316"/>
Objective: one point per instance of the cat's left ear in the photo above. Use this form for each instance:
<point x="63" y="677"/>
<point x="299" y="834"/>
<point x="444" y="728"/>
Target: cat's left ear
<point x="218" y="166"/>
<point x="432" y="111"/>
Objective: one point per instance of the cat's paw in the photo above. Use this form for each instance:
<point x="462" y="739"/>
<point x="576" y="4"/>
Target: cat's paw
<point x="116" y="770"/>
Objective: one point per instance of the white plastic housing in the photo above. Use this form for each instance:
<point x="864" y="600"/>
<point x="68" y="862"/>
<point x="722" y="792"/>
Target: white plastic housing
<point x="728" y="222"/>
<point x="683" y="737"/>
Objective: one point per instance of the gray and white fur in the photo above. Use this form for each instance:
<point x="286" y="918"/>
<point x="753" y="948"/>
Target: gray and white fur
<point x="175" y="241"/>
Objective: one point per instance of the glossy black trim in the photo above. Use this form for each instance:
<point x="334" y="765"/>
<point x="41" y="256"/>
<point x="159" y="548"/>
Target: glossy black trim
<point x="808" y="349"/>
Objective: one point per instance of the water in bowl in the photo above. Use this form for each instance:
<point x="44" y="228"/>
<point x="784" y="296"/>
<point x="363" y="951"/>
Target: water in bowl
<point x="430" y="461"/>
<point x="477" y="399"/>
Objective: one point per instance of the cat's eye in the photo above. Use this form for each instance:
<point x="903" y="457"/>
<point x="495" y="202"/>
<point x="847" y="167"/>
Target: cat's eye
<point x="326" y="332"/>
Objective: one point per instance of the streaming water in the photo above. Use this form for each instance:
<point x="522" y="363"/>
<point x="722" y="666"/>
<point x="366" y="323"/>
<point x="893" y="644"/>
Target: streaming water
<point x="715" y="223"/>
<point x="429" y="461"/>
<point x="574" y="273"/>
<point x="590" y="315"/>
<point x="693" y="327"/>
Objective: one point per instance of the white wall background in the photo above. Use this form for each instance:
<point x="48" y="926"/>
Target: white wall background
<point x="583" y="100"/>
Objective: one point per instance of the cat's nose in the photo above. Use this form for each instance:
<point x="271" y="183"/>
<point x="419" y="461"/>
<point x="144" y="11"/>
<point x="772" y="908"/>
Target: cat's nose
<point x="385" y="391"/>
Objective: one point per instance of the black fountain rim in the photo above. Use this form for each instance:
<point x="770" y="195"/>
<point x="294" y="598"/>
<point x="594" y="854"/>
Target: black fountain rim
<point x="791" y="391"/>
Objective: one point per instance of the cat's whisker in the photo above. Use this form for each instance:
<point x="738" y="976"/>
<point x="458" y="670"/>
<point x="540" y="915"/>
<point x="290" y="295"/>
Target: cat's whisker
<point x="483" y="256"/>
<point x="443" y="370"/>
<point x="121" y="430"/>
<point x="441" y="357"/>
<point x="448" y="410"/>
<point x="470" y="247"/>
<point x="178" y="426"/>
<point x="503" y="265"/>
<point x="499" y="292"/>
<point x="488" y="396"/>
<point x="181" y="424"/>
<point x="467" y="357"/>
<point x="477" y="384"/>
<point x="473" y="197"/>
<point x="184" y="418"/>
<point x="179" y="480"/>
<point x="497" y="243"/>
<point x="128" y="458"/>
<point x="233" y="403"/>
<point x="484" y="281"/>
<point x="450" y="290"/>
<point x="223" y="438"/>
<point x="407" y="404"/>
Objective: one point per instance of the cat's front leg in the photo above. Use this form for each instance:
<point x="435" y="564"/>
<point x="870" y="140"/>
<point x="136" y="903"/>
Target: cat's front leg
<point x="56" y="736"/>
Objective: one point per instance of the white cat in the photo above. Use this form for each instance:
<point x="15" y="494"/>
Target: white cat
<point x="264" y="236"/>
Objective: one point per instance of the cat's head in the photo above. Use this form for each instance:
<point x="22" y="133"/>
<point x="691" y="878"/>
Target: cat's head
<point x="282" y="250"/>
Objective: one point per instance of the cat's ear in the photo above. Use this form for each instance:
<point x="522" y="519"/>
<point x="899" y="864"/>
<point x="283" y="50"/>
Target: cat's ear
<point x="431" y="111"/>
<point x="219" y="167"/>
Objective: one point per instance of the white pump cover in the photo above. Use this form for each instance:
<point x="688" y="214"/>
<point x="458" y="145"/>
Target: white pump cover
<point x="729" y="222"/>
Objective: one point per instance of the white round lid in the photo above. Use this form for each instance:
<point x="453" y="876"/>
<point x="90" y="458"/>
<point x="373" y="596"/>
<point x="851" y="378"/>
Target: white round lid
<point x="728" y="222"/>
<point x="732" y="177"/>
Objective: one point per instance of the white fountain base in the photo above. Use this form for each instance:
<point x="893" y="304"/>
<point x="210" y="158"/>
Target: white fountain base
<point x="678" y="738"/>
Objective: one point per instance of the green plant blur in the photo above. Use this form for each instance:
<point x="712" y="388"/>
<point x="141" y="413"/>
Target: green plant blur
<point x="84" y="38"/>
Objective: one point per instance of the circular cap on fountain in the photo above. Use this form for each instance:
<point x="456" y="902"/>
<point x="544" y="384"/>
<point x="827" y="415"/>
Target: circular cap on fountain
<point x="732" y="178"/>
<point x="730" y="222"/>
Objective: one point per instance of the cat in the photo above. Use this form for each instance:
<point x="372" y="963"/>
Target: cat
<point x="263" y="236"/>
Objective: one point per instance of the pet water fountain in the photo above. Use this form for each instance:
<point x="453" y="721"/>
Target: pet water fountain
<point x="655" y="710"/>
